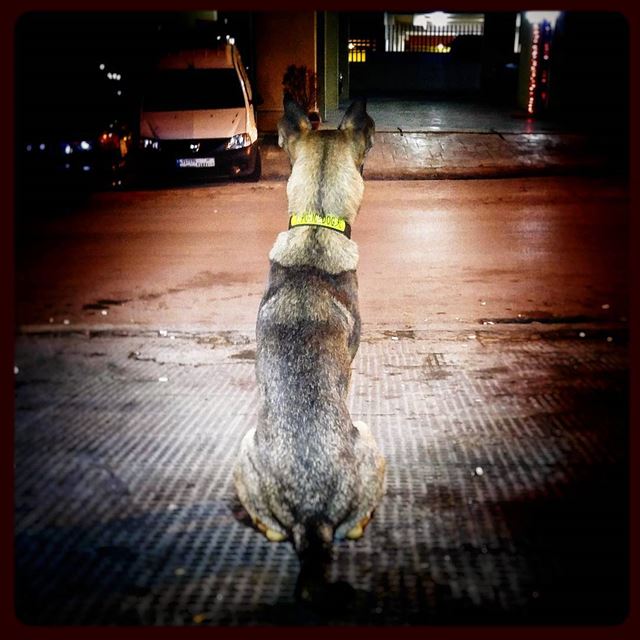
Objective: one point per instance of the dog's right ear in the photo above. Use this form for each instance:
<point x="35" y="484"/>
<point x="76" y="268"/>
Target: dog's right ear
<point x="359" y="124"/>
<point x="293" y="123"/>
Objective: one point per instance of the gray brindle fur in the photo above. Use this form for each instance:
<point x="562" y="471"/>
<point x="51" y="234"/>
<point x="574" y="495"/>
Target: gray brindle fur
<point x="306" y="472"/>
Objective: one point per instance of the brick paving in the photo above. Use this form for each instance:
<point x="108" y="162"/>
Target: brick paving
<point x="415" y="156"/>
<point x="411" y="114"/>
<point x="461" y="155"/>
<point x="470" y="141"/>
<point x="505" y="500"/>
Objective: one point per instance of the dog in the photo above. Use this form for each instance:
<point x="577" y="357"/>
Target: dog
<point x="307" y="473"/>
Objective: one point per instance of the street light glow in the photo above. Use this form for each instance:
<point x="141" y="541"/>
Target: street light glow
<point x="438" y="18"/>
<point x="537" y="17"/>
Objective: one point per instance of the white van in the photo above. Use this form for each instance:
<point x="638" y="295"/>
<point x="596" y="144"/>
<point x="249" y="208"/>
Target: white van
<point x="198" y="116"/>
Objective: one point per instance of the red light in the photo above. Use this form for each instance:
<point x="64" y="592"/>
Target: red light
<point x="110" y="140"/>
<point x="533" y="70"/>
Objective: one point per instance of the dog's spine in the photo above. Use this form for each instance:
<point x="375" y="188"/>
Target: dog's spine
<point x="312" y="542"/>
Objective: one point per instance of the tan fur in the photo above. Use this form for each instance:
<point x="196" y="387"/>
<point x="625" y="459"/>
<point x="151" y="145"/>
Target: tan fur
<point x="339" y="170"/>
<point x="337" y="252"/>
<point x="322" y="248"/>
<point x="306" y="472"/>
<point x="296" y="306"/>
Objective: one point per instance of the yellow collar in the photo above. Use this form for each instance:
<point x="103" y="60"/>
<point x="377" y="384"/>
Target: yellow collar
<point x="317" y="220"/>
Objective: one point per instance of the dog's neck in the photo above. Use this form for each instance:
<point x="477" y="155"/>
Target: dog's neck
<point x="321" y="184"/>
<point x="326" y="185"/>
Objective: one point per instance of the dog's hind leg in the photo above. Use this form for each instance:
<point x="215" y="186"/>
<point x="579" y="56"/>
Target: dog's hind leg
<point x="372" y="469"/>
<point x="365" y="432"/>
<point x="247" y="483"/>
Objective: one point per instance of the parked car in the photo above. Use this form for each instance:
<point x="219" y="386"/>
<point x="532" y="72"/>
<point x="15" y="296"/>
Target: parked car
<point x="73" y="126"/>
<point x="198" y="118"/>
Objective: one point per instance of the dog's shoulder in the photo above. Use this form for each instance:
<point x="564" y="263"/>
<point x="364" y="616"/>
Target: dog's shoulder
<point x="342" y="285"/>
<point x="321" y="248"/>
<point x="310" y="295"/>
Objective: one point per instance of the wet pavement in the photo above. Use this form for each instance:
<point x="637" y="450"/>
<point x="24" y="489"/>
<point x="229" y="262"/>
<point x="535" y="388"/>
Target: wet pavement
<point x="505" y="501"/>
<point x="493" y="372"/>
<point x="446" y="139"/>
<point x="445" y="114"/>
<point x="455" y="155"/>
<point x="433" y="254"/>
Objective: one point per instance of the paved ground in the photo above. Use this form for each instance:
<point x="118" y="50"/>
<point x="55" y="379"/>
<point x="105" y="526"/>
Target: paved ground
<point x="425" y="139"/>
<point x="505" y="498"/>
<point x="433" y="254"/>
<point x="493" y="371"/>
<point x="420" y="155"/>
<point x="444" y="114"/>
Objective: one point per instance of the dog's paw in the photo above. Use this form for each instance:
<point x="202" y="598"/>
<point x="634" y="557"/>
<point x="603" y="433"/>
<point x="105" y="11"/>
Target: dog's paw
<point x="358" y="531"/>
<point x="262" y="528"/>
<point x="355" y="533"/>
<point x="270" y="534"/>
<point x="274" y="536"/>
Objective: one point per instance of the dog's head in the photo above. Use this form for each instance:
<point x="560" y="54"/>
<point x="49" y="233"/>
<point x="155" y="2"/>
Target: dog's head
<point x="326" y="166"/>
<point x="356" y="124"/>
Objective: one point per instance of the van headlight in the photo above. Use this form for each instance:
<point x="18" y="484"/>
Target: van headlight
<point x="239" y="141"/>
<point x="149" y="144"/>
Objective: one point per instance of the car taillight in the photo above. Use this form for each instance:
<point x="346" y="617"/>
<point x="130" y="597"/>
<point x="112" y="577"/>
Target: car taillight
<point x="110" y="140"/>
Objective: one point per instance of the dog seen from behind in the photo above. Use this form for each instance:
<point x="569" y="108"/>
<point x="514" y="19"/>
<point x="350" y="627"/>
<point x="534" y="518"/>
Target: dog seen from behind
<point x="306" y="472"/>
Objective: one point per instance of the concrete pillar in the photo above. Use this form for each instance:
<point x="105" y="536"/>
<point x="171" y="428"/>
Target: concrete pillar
<point x="343" y="57"/>
<point x="524" y="66"/>
<point x="331" y="62"/>
<point x="282" y="38"/>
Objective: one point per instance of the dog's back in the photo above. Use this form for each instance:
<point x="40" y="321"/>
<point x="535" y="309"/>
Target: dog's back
<point x="307" y="334"/>
<point x="307" y="472"/>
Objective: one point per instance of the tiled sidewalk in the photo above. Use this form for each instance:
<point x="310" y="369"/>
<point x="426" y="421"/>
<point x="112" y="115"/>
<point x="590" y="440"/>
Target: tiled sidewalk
<point x="505" y="482"/>
<point x="433" y="155"/>
<point x="396" y="156"/>
<point x="421" y="140"/>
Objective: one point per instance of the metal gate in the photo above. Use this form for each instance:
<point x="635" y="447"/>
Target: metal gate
<point x="430" y="38"/>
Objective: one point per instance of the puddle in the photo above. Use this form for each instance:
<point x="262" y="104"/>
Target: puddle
<point x="401" y="334"/>
<point x="103" y="304"/>
<point x="542" y="318"/>
<point x="247" y="354"/>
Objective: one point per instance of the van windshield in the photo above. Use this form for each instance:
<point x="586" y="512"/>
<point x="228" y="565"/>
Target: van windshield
<point x="192" y="89"/>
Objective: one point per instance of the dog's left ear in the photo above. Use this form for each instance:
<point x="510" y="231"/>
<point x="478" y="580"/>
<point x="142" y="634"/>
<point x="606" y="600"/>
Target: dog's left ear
<point x="357" y="121"/>
<point x="293" y="123"/>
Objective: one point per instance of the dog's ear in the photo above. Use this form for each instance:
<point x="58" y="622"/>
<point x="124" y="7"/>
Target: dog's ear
<point x="293" y="123"/>
<point x="357" y="121"/>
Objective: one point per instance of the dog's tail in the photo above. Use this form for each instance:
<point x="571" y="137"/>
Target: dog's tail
<point x="312" y="542"/>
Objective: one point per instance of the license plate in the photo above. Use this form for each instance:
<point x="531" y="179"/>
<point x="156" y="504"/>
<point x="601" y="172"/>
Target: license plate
<point x="184" y="163"/>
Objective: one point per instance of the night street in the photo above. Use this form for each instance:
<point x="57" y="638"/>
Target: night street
<point x="432" y="254"/>
<point x="493" y="371"/>
<point x="417" y="415"/>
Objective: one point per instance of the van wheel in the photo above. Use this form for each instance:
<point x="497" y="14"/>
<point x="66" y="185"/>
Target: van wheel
<point x="254" y="176"/>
